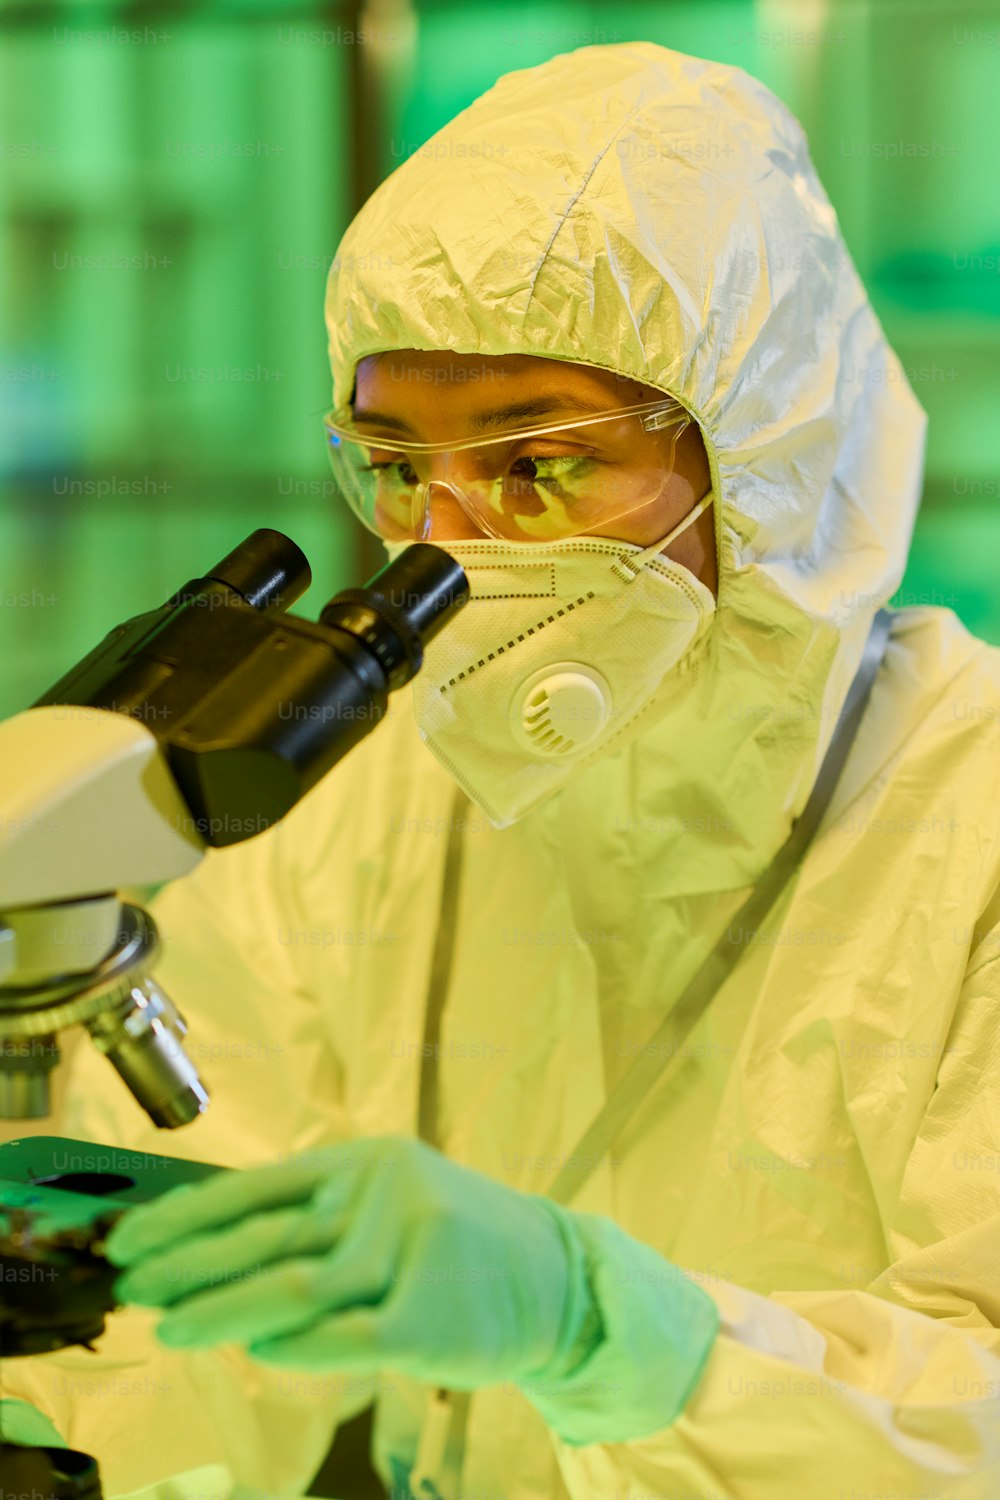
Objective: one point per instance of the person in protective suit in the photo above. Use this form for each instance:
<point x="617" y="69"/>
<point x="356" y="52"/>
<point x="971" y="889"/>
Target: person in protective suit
<point x="681" y="469"/>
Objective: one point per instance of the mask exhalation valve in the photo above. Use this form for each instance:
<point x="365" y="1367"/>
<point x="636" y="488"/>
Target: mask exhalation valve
<point x="560" y="709"/>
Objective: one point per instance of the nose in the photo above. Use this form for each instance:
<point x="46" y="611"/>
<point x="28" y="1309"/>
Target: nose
<point x="447" y="519"/>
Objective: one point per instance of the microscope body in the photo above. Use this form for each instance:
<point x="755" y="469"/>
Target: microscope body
<point x="199" y="724"/>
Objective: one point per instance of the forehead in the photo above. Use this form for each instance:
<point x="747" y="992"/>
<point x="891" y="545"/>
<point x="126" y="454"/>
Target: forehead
<point x="424" y="382"/>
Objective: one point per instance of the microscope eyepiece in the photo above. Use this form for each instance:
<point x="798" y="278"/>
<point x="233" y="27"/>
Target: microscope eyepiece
<point x="401" y="608"/>
<point x="267" y="570"/>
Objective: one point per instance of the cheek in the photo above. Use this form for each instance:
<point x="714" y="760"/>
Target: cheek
<point x="645" y="525"/>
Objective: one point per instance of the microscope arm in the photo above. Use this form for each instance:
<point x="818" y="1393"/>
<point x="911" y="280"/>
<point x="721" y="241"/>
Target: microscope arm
<point x="87" y="805"/>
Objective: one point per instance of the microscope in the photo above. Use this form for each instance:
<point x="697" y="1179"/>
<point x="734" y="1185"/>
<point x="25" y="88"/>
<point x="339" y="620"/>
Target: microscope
<point x="197" y="725"/>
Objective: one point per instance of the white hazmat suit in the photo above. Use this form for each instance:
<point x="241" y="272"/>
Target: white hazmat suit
<point x="823" y="1155"/>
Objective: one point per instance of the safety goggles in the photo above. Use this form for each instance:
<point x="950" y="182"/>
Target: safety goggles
<point x="538" y="483"/>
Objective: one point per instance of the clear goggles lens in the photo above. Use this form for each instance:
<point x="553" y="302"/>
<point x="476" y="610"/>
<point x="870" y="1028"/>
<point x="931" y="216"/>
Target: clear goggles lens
<point x="537" y="484"/>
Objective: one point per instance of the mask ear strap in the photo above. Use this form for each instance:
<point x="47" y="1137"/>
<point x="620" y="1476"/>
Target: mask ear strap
<point x="630" y="565"/>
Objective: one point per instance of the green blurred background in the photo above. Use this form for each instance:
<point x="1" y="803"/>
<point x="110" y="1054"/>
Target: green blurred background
<point x="175" y="179"/>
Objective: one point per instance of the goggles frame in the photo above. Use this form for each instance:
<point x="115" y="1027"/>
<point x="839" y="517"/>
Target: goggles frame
<point x="655" y="416"/>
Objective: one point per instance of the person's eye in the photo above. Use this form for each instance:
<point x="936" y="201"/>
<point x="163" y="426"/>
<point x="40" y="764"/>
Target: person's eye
<point x="396" y="468"/>
<point x="552" y="468"/>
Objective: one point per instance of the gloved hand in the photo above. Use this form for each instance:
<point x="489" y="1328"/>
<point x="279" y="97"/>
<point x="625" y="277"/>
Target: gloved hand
<point x="367" y="1254"/>
<point x="384" y="1254"/>
<point x="20" y="1422"/>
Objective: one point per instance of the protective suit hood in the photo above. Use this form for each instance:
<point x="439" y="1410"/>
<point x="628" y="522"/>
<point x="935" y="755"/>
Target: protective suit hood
<point x="632" y="208"/>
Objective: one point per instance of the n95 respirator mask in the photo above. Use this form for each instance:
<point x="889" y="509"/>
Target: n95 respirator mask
<point x="554" y="660"/>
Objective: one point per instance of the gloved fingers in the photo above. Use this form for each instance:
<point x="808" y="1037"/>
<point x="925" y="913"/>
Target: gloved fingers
<point x="365" y="1340"/>
<point x="22" y="1423"/>
<point x="288" y="1298"/>
<point x="349" y="1341"/>
<point x="437" y="1318"/>
<point x="219" y="1201"/>
<point x="235" y="1252"/>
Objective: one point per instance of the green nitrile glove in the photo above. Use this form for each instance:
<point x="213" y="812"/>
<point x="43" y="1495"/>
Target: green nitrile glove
<point x="382" y="1253"/>
<point x="20" y="1422"/>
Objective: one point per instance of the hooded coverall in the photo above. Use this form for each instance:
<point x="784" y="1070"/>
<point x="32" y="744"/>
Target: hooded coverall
<point x="823" y="1155"/>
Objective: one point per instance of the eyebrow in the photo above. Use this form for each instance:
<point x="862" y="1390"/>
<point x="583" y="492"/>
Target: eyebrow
<point x="486" y="421"/>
